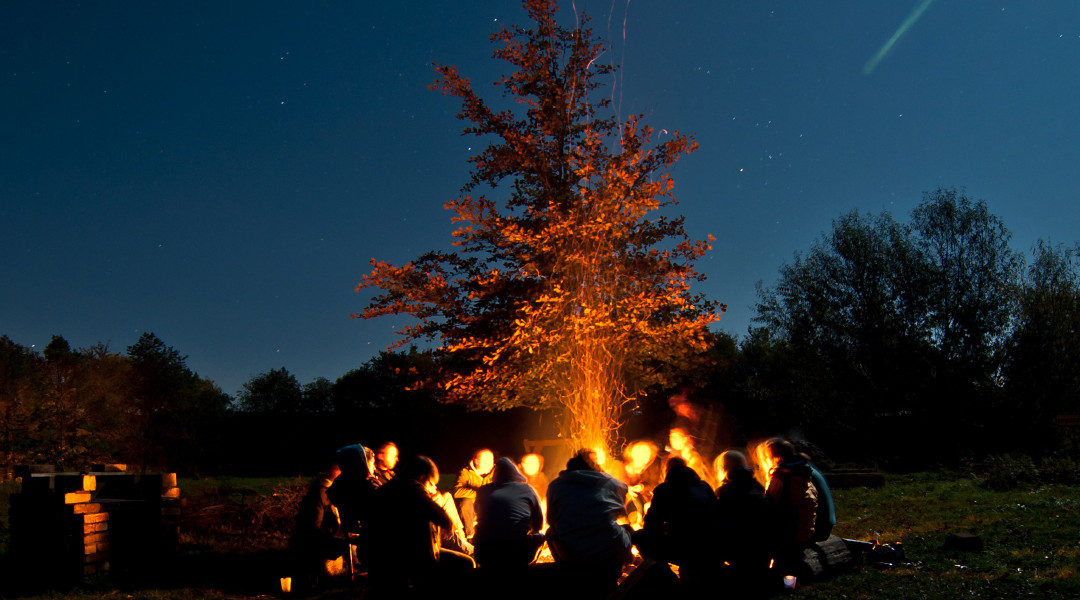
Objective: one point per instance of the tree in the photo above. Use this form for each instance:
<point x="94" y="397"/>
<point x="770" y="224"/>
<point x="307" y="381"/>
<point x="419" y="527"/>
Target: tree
<point x="1042" y="372"/>
<point x="275" y="391"/>
<point x="852" y="314"/>
<point x="973" y="277"/>
<point x="173" y="412"/>
<point x="569" y="288"/>
<point x="20" y="384"/>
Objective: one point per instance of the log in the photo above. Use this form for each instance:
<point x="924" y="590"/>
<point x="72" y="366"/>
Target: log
<point x="97" y="517"/>
<point x="76" y="497"/>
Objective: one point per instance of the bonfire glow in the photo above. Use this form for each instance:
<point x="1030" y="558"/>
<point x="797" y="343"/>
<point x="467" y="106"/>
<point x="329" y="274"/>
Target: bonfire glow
<point x="765" y="462"/>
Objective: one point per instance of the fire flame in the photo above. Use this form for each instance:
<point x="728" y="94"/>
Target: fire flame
<point x="765" y="462"/>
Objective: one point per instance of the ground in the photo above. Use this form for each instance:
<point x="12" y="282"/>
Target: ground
<point x="1032" y="540"/>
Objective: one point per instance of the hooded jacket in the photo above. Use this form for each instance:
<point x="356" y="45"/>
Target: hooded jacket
<point x="583" y="506"/>
<point x="352" y="490"/>
<point x="682" y="519"/>
<point x="507" y="508"/>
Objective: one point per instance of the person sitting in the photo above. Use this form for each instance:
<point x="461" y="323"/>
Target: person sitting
<point x="643" y="474"/>
<point x="386" y="458"/>
<point x="793" y="501"/>
<point x="680" y="526"/>
<point x="532" y="467"/>
<point x="406" y="534"/>
<point x="352" y="490"/>
<point x="509" y="519"/>
<point x="317" y="544"/>
<point x="681" y="445"/>
<point x="584" y="505"/>
<point x="742" y="508"/>
<point x="474" y="475"/>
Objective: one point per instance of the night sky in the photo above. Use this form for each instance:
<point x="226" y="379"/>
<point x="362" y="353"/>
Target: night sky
<point x="220" y="173"/>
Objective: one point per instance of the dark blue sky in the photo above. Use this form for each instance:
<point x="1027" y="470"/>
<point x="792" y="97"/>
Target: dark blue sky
<point x="221" y="172"/>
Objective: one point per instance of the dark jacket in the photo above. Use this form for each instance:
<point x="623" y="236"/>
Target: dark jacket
<point x="583" y="508"/>
<point x="680" y="526"/>
<point x="405" y="532"/>
<point x="794" y="502"/>
<point x="507" y="508"/>
<point x="352" y="490"/>
<point x="317" y="523"/>
<point x="742" y="510"/>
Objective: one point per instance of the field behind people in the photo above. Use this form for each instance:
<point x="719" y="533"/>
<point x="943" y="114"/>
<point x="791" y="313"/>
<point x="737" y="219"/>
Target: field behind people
<point x="236" y="531"/>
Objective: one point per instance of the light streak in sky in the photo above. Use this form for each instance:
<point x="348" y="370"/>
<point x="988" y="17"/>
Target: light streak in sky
<point x="875" y="60"/>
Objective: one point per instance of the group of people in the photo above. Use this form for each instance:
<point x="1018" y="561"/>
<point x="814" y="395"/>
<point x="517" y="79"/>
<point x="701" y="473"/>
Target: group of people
<point x="500" y="514"/>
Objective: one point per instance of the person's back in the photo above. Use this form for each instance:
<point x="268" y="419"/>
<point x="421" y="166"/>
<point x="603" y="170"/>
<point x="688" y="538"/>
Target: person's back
<point x="680" y="526"/>
<point x="583" y="533"/>
<point x="793" y="499"/>
<point x="742" y="510"/>
<point x="509" y="519"/>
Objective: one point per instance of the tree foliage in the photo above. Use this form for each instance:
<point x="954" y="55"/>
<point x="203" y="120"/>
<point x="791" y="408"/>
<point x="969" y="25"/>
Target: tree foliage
<point x="899" y="327"/>
<point x="566" y="277"/>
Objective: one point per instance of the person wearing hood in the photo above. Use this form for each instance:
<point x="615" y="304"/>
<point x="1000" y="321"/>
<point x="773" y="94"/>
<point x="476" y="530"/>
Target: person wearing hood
<point x="742" y="509"/>
<point x="509" y="519"/>
<point x="680" y="526"/>
<point x="317" y="545"/>
<point x="352" y="490"/>
<point x="584" y="505"/>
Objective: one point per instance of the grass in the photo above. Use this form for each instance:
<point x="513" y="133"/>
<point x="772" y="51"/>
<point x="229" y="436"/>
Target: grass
<point x="1031" y="537"/>
<point x="1032" y="540"/>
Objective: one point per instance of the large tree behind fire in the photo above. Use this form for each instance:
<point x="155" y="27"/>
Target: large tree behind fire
<point x="567" y="287"/>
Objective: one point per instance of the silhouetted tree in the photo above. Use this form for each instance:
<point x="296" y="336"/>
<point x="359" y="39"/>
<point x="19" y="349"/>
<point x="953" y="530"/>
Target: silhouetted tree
<point x="275" y="391"/>
<point x="1042" y="371"/>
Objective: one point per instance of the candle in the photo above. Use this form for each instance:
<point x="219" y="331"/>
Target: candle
<point x="789" y="582"/>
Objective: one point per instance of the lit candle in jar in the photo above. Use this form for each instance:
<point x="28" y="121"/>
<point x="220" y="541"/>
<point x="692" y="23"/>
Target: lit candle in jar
<point x="789" y="582"/>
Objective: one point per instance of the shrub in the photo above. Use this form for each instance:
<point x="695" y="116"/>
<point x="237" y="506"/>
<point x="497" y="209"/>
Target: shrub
<point x="1059" y="469"/>
<point x="1005" y="472"/>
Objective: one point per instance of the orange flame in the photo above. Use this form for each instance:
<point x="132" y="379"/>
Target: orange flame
<point x="765" y="462"/>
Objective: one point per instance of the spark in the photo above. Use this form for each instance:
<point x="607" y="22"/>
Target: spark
<point x="874" y="61"/>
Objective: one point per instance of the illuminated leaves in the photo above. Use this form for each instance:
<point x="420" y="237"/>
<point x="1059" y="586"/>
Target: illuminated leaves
<point x="570" y="289"/>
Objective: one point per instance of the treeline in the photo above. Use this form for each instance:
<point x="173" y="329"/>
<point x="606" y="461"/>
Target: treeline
<point x="72" y="408"/>
<point x="916" y="342"/>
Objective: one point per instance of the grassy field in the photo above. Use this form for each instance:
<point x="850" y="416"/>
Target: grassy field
<point x="1032" y="543"/>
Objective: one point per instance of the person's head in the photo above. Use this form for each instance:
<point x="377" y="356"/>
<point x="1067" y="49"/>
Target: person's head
<point x="679" y="440"/>
<point x="780" y="449"/>
<point x="531" y="464"/>
<point x="583" y="460"/>
<point x="678" y="472"/>
<point x="638" y="455"/>
<point x="420" y="469"/>
<point x="483" y="461"/>
<point x="505" y="470"/>
<point x="387" y="456"/>
<point x="729" y="461"/>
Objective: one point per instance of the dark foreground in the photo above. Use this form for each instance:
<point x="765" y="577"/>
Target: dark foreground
<point x="1031" y="538"/>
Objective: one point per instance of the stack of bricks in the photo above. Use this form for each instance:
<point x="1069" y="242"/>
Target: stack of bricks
<point x="91" y="522"/>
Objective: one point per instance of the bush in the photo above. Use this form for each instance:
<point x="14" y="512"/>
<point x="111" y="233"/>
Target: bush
<point x="1005" y="472"/>
<point x="1059" y="469"/>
